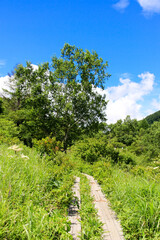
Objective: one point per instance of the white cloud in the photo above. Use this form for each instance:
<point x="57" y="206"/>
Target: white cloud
<point x="35" y="67"/>
<point x="125" y="99"/>
<point x="2" y="63"/>
<point x="156" y="104"/>
<point x="150" y="6"/>
<point x="121" y="5"/>
<point x="4" y="83"/>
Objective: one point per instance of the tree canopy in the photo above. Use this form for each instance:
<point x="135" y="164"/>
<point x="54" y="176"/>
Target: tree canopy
<point x="59" y="99"/>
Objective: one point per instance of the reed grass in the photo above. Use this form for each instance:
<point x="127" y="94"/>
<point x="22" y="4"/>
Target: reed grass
<point x="135" y="198"/>
<point x="34" y="196"/>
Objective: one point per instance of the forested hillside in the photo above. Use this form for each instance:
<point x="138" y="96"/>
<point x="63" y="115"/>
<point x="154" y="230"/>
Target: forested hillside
<point x="53" y="126"/>
<point x="153" y="117"/>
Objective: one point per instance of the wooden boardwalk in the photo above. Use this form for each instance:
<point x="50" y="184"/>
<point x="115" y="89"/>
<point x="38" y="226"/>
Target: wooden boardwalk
<point x="111" y="226"/>
<point x="74" y="216"/>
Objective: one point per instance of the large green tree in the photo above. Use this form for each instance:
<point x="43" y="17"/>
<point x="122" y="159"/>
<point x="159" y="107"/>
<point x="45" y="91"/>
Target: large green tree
<point x="60" y="99"/>
<point x="28" y="103"/>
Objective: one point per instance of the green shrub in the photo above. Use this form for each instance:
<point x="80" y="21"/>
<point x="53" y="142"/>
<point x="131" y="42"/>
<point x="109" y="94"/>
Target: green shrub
<point x="8" y="131"/>
<point x="47" y="145"/>
<point x="90" y="149"/>
<point x="126" y="158"/>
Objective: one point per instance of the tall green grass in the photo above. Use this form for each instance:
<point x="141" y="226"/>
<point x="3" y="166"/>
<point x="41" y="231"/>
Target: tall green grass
<point x="34" y="196"/>
<point x="135" y="198"/>
<point x="90" y="223"/>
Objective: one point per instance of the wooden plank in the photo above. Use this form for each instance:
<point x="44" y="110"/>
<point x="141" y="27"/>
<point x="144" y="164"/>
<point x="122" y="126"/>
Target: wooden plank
<point x="74" y="216"/>
<point x="111" y="225"/>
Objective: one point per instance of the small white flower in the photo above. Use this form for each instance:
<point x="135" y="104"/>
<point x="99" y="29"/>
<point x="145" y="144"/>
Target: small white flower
<point x="155" y="167"/>
<point x="16" y="148"/>
<point x="23" y="156"/>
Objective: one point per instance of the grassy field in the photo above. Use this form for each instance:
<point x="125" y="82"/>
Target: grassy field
<point x="134" y="195"/>
<point x="34" y="195"/>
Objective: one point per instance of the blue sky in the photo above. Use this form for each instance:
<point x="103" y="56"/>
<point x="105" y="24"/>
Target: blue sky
<point x="126" y="33"/>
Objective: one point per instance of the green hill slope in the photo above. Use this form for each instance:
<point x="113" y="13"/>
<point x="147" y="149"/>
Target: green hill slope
<point x="153" y="117"/>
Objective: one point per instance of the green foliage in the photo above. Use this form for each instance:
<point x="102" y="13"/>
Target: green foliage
<point x="48" y="146"/>
<point x="8" y="131"/>
<point x="93" y="149"/>
<point x="147" y="143"/>
<point x="90" y="223"/>
<point x="134" y="196"/>
<point x="143" y="124"/>
<point x="34" y="196"/>
<point x="60" y="99"/>
<point x="126" y="158"/>
<point x="153" y="117"/>
<point x="36" y="192"/>
<point x="132" y="184"/>
<point x="124" y="131"/>
<point x="90" y="149"/>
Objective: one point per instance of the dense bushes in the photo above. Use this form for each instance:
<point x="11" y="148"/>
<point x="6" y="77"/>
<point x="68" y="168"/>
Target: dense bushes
<point x="8" y="131"/>
<point x="90" y="149"/>
<point x="48" y="146"/>
<point x="93" y="149"/>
